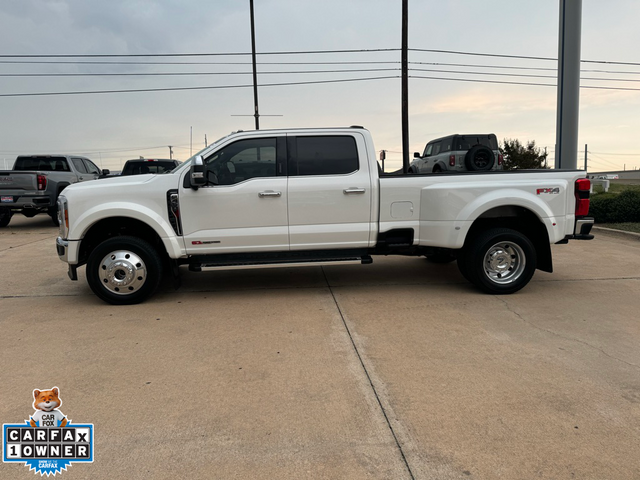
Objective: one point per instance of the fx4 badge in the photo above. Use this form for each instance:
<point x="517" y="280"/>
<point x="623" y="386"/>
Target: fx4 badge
<point x="554" y="191"/>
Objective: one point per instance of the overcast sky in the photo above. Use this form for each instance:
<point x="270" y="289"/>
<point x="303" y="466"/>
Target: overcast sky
<point x="113" y="127"/>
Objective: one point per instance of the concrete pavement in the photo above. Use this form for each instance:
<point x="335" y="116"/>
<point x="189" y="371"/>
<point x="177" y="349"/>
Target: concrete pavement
<point x="398" y="369"/>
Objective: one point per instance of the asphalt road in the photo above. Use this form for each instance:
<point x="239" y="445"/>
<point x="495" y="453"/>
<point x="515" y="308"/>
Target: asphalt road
<point x="395" y="370"/>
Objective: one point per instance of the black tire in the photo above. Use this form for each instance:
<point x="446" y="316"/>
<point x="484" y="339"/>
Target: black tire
<point x="437" y="169"/>
<point x="499" y="261"/>
<point x="5" y="217"/>
<point x="53" y="213"/>
<point x="462" y="266"/>
<point x="479" y="158"/>
<point x="124" y="270"/>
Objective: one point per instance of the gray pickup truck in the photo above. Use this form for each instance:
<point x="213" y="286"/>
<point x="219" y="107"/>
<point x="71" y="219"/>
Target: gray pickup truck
<point x="34" y="183"/>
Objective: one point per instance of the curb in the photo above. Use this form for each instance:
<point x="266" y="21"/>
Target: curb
<point x="622" y="233"/>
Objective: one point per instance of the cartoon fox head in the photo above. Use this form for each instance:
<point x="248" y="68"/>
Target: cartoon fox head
<point x="46" y="400"/>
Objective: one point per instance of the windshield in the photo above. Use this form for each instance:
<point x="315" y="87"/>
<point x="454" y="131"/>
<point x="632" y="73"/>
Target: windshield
<point x="465" y="142"/>
<point x="137" y="167"/>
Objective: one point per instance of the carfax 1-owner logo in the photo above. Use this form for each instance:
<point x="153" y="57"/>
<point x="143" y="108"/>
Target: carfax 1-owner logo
<point x="48" y="442"/>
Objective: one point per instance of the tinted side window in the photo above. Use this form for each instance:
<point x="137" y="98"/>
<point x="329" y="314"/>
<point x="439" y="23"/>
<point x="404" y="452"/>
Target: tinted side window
<point x="445" y="145"/>
<point x="243" y="160"/>
<point x="92" y="168"/>
<point x="428" y="150"/>
<point x="436" y="148"/>
<point x="79" y="164"/>
<point x="327" y="155"/>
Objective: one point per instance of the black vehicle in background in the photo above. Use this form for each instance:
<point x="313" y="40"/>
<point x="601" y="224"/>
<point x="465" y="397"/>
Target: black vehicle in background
<point x="148" y="165"/>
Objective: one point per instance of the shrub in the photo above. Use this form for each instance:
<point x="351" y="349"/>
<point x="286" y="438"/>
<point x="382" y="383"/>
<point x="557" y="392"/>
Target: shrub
<point x="616" y="208"/>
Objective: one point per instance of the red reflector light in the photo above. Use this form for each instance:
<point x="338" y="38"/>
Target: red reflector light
<point x="500" y="159"/>
<point x="582" y="208"/>
<point x="42" y="182"/>
<point x="452" y="160"/>
<point x="583" y="186"/>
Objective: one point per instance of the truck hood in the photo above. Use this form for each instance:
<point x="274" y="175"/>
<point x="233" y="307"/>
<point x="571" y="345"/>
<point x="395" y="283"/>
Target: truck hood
<point x="129" y="180"/>
<point x="122" y="188"/>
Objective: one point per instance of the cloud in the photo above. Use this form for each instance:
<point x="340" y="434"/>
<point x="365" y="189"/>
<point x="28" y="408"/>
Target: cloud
<point x="483" y="101"/>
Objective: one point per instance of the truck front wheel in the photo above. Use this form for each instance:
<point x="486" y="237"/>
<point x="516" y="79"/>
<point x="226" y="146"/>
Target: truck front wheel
<point x="500" y="261"/>
<point x="124" y="270"/>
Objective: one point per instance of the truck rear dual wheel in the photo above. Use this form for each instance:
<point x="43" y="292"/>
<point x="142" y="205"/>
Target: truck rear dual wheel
<point x="124" y="270"/>
<point x="499" y="261"/>
<point x="5" y="217"/>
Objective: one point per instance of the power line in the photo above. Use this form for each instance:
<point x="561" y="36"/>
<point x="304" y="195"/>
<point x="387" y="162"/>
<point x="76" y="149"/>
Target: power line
<point x="169" y="74"/>
<point x="40" y="94"/>
<point x="38" y="62"/>
<point x="625" y="154"/>
<point x="308" y="52"/>
<point x="601" y="160"/>
<point x="495" y="55"/>
<point x="519" y="75"/>
<point x="101" y="150"/>
<point x="520" y="83"/>
<point x="217" y="54"/>
<point x="353" y="62"/>
<point x="316" y="82"/>
<point x="190" y="73"/>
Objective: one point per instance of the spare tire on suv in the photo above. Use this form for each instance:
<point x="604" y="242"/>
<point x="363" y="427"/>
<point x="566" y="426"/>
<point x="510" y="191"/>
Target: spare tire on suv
<point x="479" y="158"/>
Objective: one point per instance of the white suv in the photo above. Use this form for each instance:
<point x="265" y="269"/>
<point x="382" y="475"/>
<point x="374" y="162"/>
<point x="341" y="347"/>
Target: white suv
<point x="459" y="153"/>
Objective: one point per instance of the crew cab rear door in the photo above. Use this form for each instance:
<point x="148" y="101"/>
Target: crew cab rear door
<point x="243" y="208"/>
<point x="329" y="191"/>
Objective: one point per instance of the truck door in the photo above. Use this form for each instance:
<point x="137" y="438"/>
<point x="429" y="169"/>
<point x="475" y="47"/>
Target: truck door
<point x="244" y="206"/>
<point x="329" y="191"/>
<point x="82" y="171"/>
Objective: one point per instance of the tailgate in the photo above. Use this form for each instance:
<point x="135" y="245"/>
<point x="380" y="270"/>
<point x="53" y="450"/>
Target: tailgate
<point x="18" y="183"/>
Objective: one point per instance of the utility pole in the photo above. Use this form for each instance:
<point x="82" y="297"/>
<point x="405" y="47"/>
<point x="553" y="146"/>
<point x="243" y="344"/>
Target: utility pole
<point x="205" y="141"/>
<point x="256" y="113"/>
<point x="405" y="87"/>
<point x="568" y="84"/>
<point x="170" y="152"/>
<point x="585" y="157"/>
<point x="255" y="75"/>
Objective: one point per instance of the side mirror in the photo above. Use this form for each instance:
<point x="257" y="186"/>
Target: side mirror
<point x="197" y="173"/>
<point x="106" y="172"/>
<point x="416" y="154"/>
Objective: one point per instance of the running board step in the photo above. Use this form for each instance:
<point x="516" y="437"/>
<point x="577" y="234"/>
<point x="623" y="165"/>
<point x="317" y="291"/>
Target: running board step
<point x="280" y="262"/>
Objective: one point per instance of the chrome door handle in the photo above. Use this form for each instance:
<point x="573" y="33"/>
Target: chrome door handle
<point x="347" y="191"/>
<point x="269" y="193"/>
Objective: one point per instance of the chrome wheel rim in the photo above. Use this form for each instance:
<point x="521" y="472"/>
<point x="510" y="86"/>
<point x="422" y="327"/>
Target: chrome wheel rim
<point x="122" y="272"/>
<point x="504" y="263"/>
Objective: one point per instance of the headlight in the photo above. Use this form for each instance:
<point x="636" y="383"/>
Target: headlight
<point x="63" y="216"/>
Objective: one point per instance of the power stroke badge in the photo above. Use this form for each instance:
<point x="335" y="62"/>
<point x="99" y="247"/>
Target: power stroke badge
<point x="48" y="442"/>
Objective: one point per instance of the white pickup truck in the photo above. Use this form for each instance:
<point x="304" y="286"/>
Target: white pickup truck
<point x="313" y="197"/>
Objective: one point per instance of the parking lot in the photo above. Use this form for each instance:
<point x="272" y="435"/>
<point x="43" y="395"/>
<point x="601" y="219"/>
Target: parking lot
<point x="394" y="370"/>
